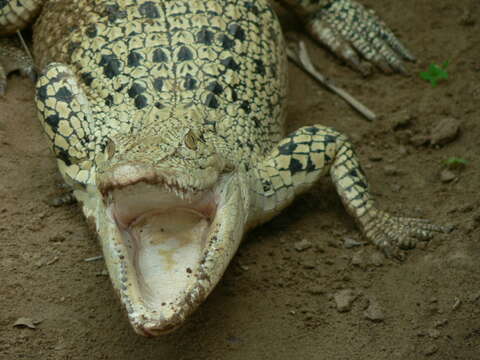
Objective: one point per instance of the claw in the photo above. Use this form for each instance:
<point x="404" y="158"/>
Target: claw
<point x="348" y="28"/>
<point x="392" y="234"/>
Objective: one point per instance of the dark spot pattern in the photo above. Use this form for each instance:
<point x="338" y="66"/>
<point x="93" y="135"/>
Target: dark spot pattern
<point x="53" y="121"/>
<point x="149" y="10"/>
<point x="215" y="88"/>
<point x="184" y="54"/>
<point x="237" y="32"/>
<point x="141" y="102"/>
<point x="211" y="101"/>
<point x="111" y="65"/>
<point x="134" y="59"/>
<point x="158" y="84"/>
<point x="159" y="56"/>
<point x="205" y="36"/>
<point x="87" y="78"/>
<point x="64" y="94"/>
<point x="135" y="90"/>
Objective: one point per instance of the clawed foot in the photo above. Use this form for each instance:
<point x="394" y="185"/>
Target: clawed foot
<point x="349" y="29"/>
<point x="12" y="58"/>
<point x="393" y="234"/>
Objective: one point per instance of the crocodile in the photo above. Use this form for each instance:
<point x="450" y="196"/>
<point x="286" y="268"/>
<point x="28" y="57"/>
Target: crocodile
<point x="167" y="120"/>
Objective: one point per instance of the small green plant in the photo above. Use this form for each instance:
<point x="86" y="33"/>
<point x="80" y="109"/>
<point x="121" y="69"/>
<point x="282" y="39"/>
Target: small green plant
<point x="455" y="162"/>
<point x="435" y="73"/>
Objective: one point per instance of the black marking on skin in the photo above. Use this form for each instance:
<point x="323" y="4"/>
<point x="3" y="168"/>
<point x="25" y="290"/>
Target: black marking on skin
<point x="190" y="83"/>
<point x="312" y="130"/>
<point x="63" y="94"/>
<point x="227" y="43"/>
<point x="251" y="6"/>
<point x="267" y="185"/>
<point x="259" y="67"/>
<point x="310" y="165"/>
<point x="185" y="54"/>
<point x="329" y="139"/>
<point x="205" y="36"/>
<point x="53" y="121"/>
<point x="234" y="94"/>
<point x="288" y="148"/>
<point x="257" y="122"/>
<point x="141" y="101"/>
<point x="230" y="63"/>
<point x="111" y="65"/>
<point x="121" y="87"/>
<point x="159" y="105"/>
<point x="245" y="106"/>
<point x="63" y="155"/>
<point x="159" y="56"/>
<point x="158" y="84"/>
<point x="211" y="101"/>
<point x="237" y="32"/>
<point x="3" y="3"/>
<point x="42" y="93"/>
<point x="114" y="13"/>
<point x="87" y="78"/>
<point x="109" y="100"/>
<point x="295" y="166"/>
<point x="353" y="173"/>
<point x="149" y="10"/>
<point x="91" y="31"/>
<point x="135" y="90"/>
<point x="215" y="88"/>
<point x="72" y="47"/>
<point x="134" y="59"/>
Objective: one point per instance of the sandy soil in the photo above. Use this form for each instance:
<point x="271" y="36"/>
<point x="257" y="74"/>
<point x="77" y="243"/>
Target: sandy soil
<point x="276" y="302"/>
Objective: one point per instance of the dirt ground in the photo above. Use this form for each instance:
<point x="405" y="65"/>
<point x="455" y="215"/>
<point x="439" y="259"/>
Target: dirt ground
<point x="276" y="302"/>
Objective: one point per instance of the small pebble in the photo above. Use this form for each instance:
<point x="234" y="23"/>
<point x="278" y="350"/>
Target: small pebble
<point x="316" y="290"/>
<point x="430" y="350"/>
<point x="377" y="259"/>
<point x="434" y="333"/>
<point x="390" y="170"/>
<point x="401" y="120"/>
<point x="456" y="303"/>
<point x="349" y="243"/>
<point x="445" y="131"/>
<point x="440" y="323"/>
<point x="344" y="300"/>
<point x="375" y="158"/>
<point x="309" y="265"/>
<point x="57" y="238"/>
<point x="302" y="245"/>
<point x="402" y="150"/>
<point x="358" y="259"/>
<point x="419" y="140"/>
<point x="446" y="176"/>
<point x="374" y="312"/>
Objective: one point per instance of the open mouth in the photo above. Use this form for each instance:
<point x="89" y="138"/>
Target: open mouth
<point x="164" y="234"/>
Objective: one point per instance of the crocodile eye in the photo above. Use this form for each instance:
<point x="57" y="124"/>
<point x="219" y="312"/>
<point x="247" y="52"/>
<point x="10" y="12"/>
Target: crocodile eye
<point x="110" y="149"/>
<point x="190" y="140"/>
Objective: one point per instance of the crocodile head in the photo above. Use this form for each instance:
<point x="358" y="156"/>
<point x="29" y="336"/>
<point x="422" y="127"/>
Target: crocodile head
<point x="170" y="216"/>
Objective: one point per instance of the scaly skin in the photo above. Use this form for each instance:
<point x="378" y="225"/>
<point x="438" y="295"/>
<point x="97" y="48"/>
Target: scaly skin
<point x="183" y="101"/>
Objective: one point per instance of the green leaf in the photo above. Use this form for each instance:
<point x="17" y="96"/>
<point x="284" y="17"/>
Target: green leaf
<point x="435" y="73"/>
<point x="455" y="162"/>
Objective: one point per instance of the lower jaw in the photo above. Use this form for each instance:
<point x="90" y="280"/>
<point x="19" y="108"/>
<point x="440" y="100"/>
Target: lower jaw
<point x="161" y="281"/>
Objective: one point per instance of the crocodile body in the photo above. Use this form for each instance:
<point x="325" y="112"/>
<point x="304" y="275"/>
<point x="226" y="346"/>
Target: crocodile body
<point x="166" y="118"/>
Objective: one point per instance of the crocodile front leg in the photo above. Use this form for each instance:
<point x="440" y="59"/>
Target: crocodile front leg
<point x="12" y="58"/>
<point x="17" y="14"/>
<point x="347" y="28"/>
<point x="302" y="158"/>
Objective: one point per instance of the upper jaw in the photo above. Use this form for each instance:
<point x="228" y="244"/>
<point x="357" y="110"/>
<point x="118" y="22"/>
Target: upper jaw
<point x="160" y="291"/>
